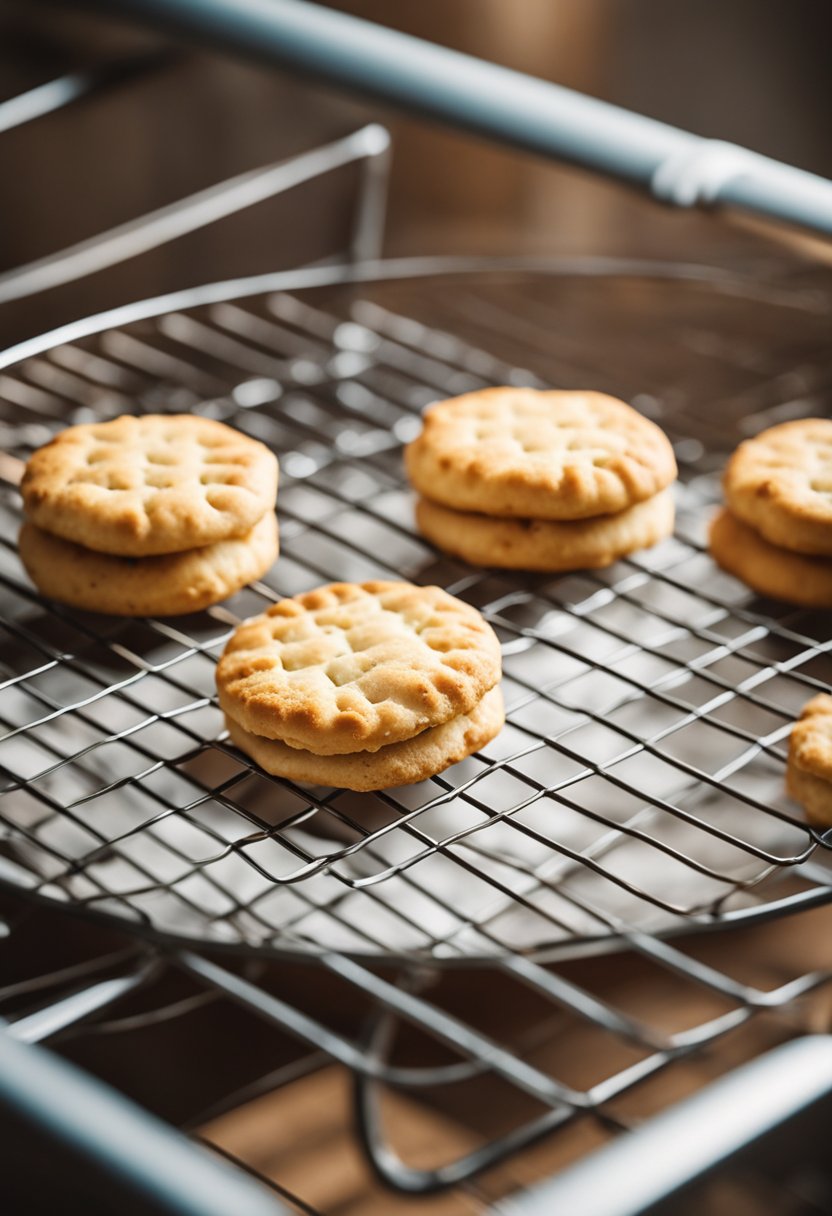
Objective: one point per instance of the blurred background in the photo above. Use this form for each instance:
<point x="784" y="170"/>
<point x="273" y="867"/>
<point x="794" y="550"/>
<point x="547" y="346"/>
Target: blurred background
<point x="752" y="71"/>
<point x="175" y="119"/>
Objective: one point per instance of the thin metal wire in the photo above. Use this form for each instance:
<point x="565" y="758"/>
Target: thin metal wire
<point x="298" y="1204"/>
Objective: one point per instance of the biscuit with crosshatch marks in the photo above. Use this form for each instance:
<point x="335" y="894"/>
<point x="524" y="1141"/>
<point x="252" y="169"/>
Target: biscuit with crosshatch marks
<point x="151" y="484"/>
<point x="810" y="743"/>
<point x="357" y="666"/>
<point x="780" y="483"/>
<point x="169" y="584"/>
<point x="809" y="767"/>
<point x="813" y="793"/>
<point x="546" y="544"/>
<point x="528" y="454"/>
<point x="416" y="759"/>
<point x="768" y="569"/>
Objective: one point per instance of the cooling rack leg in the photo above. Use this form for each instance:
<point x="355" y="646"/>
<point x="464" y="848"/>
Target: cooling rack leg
<point x="369" y="145"/>
<point x="382" y="1158"/>
<point x="371" y="208"/>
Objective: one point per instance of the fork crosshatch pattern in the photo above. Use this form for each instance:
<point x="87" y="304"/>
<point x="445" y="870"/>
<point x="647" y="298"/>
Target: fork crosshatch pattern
<point x="638" y="784"/>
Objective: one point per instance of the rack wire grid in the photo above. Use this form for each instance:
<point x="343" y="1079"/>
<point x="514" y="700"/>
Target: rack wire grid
<point x="636" y="792"/>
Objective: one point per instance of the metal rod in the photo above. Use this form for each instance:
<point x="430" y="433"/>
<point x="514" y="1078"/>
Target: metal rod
<point x="43" y="99"/>
<point x="47" y="1022"/>
<point x="644" y="1172"/>
<point x="168" y="223"/>
<point x="55" y="94"/>
<point x="675" y="166"/>
<point x="132" y="1159"/>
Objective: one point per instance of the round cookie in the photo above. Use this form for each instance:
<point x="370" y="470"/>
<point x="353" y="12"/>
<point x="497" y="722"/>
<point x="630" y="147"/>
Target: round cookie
<point x="168" y="585"/>
<point x="813" y="793"/>
<point x="142" y="486"/>
<point x="354" y="667"/>
<point x="543" y="544"/>
<point x="767" y="569"/>
<point x="404" y="763"/>
<point x="780" y="483"/>
<point x="538" y="455"/>
<point x="810" y="743"/>
<point x="809" y="768"/>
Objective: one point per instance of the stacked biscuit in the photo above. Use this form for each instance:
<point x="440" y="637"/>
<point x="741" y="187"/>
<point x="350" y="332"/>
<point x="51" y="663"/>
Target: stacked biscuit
<point x="809" y="768"/>
<point x="155" y="515"/>
<point x="776" y="531"/>
<point x="363" y="686"/>
<point x="548" y="481"/>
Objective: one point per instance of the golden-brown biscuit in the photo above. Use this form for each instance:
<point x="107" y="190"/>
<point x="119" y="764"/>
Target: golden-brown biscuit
<point x="810" y="743"/>
<point x="403" y="763"/>
<point x="168" y="585"/>
<point x="809" y="769"/>
<point x="520" y="453"/>
<point x="767" y="569"/>
<point x="147" y="485"/>
<point x="354" y="667"/>
<point x="780" y="483"/>
<point x="544" y="544"/>
<point x="813" y="793"/>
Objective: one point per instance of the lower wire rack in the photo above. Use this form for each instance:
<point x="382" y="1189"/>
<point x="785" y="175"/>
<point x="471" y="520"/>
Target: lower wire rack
<point x="636" y="792"/>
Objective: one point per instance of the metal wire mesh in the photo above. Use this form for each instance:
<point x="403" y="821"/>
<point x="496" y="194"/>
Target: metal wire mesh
<point x="638" y="783"/>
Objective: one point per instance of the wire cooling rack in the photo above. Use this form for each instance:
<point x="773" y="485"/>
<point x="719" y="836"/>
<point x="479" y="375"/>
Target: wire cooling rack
<point x="637" y="789"/>
<point x="638" y="783"/>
